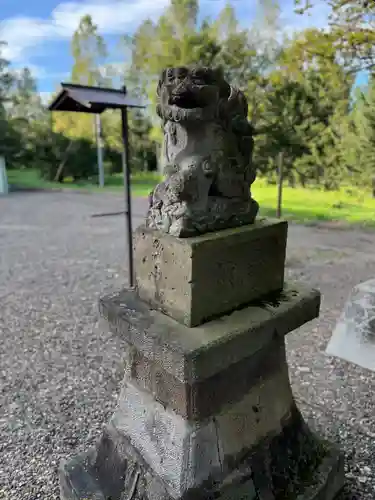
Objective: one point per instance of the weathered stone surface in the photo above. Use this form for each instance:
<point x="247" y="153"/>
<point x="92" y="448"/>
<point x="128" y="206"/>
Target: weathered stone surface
<point x="77" y="480"/>
<point x="186" y="453"/>
<point x="203" y="398"/>
<point x="193" y="354"/>
<point x="207" y="155"/>
<point x="354" y="336"/>
<point x="108" y="471"/>
<point x="182" y="454"/>
<point x="256" y="446"/>
<point x="261" y="412"/>
<point x="296" y="464"/>
<point x="195" y="279"/>
<point x="291" y="464"/>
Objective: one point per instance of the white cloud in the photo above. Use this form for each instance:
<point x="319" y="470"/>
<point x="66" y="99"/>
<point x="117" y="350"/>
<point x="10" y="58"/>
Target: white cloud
<point x="25" y="34"/>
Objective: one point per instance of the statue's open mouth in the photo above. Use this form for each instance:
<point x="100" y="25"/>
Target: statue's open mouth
<point x="185" y="100"/>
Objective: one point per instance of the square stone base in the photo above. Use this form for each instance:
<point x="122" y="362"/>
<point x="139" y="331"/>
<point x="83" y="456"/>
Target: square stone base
<point x="196" y="279"/>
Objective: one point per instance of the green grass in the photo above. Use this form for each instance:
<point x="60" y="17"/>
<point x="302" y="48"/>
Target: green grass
<point x="301" y="205"/>
<point x="28" y="178"/>
<point x="313" y="205"/>
<point x="142" y="183"/>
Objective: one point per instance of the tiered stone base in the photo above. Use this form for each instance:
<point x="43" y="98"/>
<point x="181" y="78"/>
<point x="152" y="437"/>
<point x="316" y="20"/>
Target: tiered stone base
<point x="207" y="412"/>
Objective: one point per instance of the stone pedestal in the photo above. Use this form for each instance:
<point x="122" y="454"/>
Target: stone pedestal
<point x="196" y="279"/>
<point x="207" y="412"/>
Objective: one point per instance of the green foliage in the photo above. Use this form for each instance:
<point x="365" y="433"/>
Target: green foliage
<point x="6" y="78"/>
<point x="7" y="133"/>
<point x="89" y="53"/>
<point x="299" y="91"/>
<point x="306" y="99"/>
<point x="178" y="39"/>
<point x="79" y="166"/>
<point x="352" y="30"/>
<point x="359" y="146"/>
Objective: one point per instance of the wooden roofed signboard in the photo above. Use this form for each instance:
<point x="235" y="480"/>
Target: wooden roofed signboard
<point x="95" y="100"/>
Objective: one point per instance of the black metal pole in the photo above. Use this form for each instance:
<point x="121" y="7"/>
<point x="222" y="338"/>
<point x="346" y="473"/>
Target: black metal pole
<point x="128" y="211"/>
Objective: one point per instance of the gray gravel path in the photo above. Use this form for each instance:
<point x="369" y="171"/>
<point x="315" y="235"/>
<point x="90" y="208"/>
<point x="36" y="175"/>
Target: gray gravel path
<point x="59" y="374"/>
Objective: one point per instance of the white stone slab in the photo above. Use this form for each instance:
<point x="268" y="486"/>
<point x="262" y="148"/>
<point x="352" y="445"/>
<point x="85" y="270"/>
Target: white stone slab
<point x="353" y="338"/>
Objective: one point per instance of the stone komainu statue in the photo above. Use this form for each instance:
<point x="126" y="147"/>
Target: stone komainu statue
<point x="207" y="155"/>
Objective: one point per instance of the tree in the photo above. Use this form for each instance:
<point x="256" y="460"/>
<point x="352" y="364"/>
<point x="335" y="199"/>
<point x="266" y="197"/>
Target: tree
<point x="25" y="102"/>
<point x="286" y="122"/>
<point x="6" y="77"/>
<point x="305" y="100"/>
<point x="176" y="39"/>
<point x="7" y="134"/>
<point x="179" y="39"/>
<point x="360" y="143"/>
<point x="24" y="112"/>
<point x="89" y="53"/>
<point x="351" y="30"/>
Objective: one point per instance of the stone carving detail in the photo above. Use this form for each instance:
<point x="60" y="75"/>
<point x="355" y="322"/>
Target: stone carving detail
<point x="207" y="155"/>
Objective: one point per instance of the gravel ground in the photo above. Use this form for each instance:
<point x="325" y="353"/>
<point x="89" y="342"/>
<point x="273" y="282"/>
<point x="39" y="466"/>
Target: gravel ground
<point x="60" y="374"/>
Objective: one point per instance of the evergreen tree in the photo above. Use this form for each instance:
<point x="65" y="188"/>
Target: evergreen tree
<point x="364" y="125"/>
<point x="304" y="101"/>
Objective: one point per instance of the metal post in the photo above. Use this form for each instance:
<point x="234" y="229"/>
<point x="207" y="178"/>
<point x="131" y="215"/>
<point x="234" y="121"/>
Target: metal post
<point x="99" y="145"/>
<point x="128" y="212"/>
<point x="280" y="172"/>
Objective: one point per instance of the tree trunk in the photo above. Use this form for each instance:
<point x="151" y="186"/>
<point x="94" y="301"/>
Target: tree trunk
<point x="59" y="177"/>
<point x="302" y="180"/>
<point x="291" y="181"/>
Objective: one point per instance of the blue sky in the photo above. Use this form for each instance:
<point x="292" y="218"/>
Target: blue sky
<point x="38" y="32"/>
